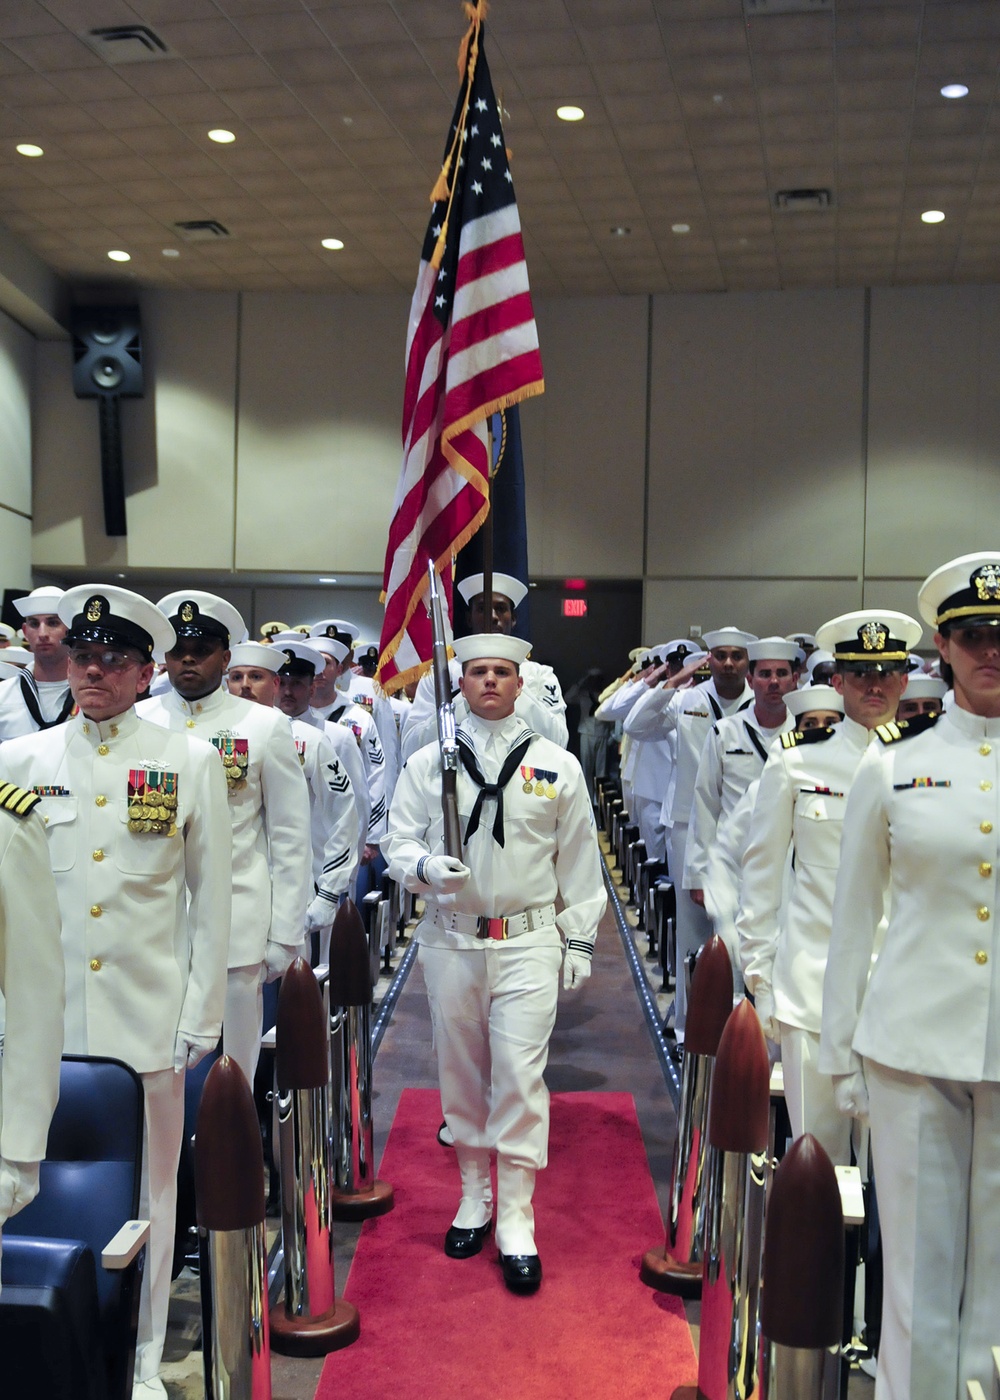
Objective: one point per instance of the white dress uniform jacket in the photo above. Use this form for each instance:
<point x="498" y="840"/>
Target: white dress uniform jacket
<point x="356" y="720"/>
<point x="32" y="982"/>
<point x="550" y="850"/>
<point x="335" y="822"/>
<point x="145" y="916"/>
<point x="346" y="748"/>
<point x="272" y="847"/>
<point x="735" y="752"/>
<point x="540" y="706"/>
<point x="362" y="692"/>
<point x="800" y="806"/>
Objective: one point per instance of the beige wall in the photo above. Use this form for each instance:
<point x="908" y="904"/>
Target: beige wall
<point x="16" y="361"/>
<point x="807" y="451"/>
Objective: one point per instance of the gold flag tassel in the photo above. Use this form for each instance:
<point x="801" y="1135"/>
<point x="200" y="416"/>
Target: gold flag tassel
<point x="444" y="187"/>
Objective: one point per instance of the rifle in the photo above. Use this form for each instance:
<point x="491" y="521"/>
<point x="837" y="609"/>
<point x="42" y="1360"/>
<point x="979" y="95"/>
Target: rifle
<point x="445" y="722"/>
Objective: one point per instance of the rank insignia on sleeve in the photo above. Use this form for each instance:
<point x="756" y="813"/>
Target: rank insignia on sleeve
<point x="538" y="781"/>
<point x="235" y="755"/>
<point x="20" y="801"/>
<point x="152" y="801"/>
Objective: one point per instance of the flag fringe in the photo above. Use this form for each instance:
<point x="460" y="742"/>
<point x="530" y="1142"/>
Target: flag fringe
<point x="444" y="185"/>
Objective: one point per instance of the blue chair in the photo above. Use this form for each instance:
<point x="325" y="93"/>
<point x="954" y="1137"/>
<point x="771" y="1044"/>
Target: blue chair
<point x="72" y="1260"/>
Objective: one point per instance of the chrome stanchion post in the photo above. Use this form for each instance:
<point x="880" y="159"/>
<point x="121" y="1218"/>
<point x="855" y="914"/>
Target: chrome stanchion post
<point x="309" y="1321"/>
<point x="355" y="1194"/>
<point x="229" y="1183"/>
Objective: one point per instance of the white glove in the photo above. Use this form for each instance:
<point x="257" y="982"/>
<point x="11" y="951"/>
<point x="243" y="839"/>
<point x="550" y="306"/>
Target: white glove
<point x="576" y="968"/>
<point x="189" y="1049"/>
<point x="850" y="1094"/>
<point x="763" y="1000"/>
<point x="444" y="874"/>
<point x="18" y="1186"/>
<point x="278" y="958"/>
<point x="321" y="912"/>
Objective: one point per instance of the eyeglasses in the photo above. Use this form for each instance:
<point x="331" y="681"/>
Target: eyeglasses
<point x="107" y="660"/>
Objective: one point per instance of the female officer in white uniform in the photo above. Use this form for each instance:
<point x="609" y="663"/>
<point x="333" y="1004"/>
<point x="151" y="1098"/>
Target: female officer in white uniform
<point x="922" y="1039"/>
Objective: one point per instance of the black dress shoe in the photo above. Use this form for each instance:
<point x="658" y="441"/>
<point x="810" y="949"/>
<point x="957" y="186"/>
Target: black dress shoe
<point x="463" y="1244"/>
<point x="522" y="1273"/>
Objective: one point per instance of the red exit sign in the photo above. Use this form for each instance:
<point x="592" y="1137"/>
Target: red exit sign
<point x="574" y="607"/>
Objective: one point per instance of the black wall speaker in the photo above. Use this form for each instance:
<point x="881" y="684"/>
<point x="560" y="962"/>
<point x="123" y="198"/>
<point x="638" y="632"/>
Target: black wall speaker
<point x="107" y="366"/>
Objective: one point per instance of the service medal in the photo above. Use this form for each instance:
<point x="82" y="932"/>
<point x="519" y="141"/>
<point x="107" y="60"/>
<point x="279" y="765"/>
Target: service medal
<point x="527" y="787"/>
<point x="550" y="791"/>
<point x="539" y="789"/>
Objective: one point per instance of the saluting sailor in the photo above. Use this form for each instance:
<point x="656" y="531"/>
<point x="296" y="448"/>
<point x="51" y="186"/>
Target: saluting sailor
<point x="491" y="942"/>
<point x="139" y="840"/>
<point x="800" y="810"/>
<point x="540" y="702"/>
<point x="284" y="674"/>
<point x="268" y="807"/>
<point x="689" y="712"/>
<point x="921" y="1038"/>
<point x="40" y="696"/>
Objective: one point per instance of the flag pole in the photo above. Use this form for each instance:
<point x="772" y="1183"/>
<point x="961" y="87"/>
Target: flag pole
<point x="487" y="529"/>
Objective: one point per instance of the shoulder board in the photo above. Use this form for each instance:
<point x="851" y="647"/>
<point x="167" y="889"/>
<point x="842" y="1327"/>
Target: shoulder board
<point x="795" y="738"/>
<point x="17" y="800"/>
<point x="897" y="729"/>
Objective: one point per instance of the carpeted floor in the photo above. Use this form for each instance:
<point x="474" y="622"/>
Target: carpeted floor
<point x="433" y="1326"/>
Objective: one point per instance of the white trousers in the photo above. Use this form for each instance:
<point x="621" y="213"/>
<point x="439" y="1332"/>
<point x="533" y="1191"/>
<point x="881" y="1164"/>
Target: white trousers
<point x="693" y="925"/>
<point x="936" y="1146"/>
<point x="493" y="1011"/>
<point x="646" y="812"/>
<point x="809" y="1095"/>
<point x="243" y="1017"/>
<point x="161" y="1149"/>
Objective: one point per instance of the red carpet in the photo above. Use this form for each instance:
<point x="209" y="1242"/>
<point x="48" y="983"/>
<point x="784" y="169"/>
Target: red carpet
<point x="434" y="1328"/>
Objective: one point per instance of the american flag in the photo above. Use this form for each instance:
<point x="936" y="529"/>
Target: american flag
<point x="472" y="349"/>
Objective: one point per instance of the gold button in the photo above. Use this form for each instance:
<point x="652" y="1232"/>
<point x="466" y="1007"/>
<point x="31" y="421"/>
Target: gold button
<point x="98" y="855"/>
<point x="986" y="828"/>
<point x="985" y="868"/>
<point x="96" y="911"/>
<point x="982" y="957"/>
<point x="986" y="785"/>
<point x="95" y="964"/>
<point x="103" y="749"/>
<point x="190" y="723"/>
<point x="100" y="800"/>
<point x="45" y="820"/>
<point x="982" y="913"/>
<point x="984" y="749"/>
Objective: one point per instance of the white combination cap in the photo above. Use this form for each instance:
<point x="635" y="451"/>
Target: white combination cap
<point x="966" y="590"/>
<point x="115" y="617"/>
<point x="506" y="584"/>
<point x="197" y="614"/>
<point x="871" y="639"/>
<point x="338" y="629"/>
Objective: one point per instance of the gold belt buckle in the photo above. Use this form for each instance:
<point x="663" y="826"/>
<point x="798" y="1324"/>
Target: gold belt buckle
<point x="492" y="928"/>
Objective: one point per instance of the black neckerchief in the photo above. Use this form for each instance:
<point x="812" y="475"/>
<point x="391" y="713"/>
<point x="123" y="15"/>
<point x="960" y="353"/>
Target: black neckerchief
<point x="30" y="696"/>
<point x="755" y="739"/>
<point x="494" y="790"/>
<point x="717" y="708"/>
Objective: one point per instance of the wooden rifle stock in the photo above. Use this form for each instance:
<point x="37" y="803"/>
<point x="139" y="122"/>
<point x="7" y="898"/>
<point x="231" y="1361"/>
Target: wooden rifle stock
<point x="445" y="722"/>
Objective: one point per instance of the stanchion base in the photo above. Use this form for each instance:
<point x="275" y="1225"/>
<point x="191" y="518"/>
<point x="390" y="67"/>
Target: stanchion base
<point x="316" y="1336"/>
<point x="661" y="1271"/>
<point x="361" y="1205"/>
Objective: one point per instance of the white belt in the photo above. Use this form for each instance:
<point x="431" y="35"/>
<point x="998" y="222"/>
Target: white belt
<point x="481" y="926"/>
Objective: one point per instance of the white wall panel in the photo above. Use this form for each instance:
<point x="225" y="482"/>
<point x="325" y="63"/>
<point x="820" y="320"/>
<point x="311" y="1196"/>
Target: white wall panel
<point x="16" y="359"/>
<point x="756" y="462"/>
<point x="321" y="395"/>
<point x="584" y="439"/>
<point x="934" y="427"/>
<point x="766" y="607"/>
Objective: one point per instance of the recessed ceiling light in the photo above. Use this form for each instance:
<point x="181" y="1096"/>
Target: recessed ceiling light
<point x="932" y="216"/>
<point x="335" y="244"/>
<point x="680" y="228"/>
<point x="717" y="98"/>
<point x="620" y="231"/>
<point x="224" y="138"/>
<point x="116" y="255"/>
<point x="954" y="90"/>
<point x="328" y="580"/>
<point x="27" y="149"/>
<point x="171" y="252"/>
<point x="570" y="114"/>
